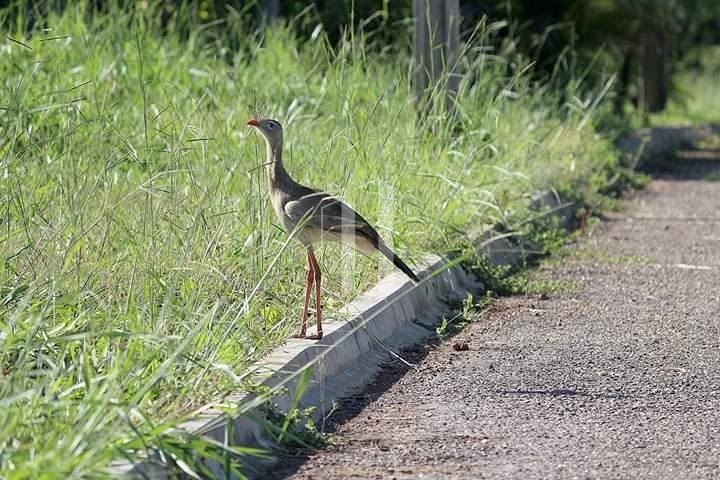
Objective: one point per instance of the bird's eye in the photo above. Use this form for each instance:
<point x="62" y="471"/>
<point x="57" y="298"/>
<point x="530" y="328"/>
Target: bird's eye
<point x="271" y="125"/>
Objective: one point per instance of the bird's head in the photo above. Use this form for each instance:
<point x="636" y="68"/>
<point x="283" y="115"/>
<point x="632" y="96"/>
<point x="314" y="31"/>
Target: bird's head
<point x="270" y="129"/>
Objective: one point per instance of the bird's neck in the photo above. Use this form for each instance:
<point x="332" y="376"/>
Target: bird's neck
<point x="276" y="173"/>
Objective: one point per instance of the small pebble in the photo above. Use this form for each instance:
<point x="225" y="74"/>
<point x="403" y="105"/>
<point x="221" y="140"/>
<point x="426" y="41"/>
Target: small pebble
<point x="461" y="346"/>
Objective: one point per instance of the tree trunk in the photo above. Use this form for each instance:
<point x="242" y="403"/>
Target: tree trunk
<point x="624" y="79"/>
<point x="654" y="71"/>
<point x="269" y="9"/>
<point x="436" y="45"/>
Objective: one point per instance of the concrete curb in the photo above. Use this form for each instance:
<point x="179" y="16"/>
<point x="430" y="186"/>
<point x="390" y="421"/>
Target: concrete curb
<point x="647" y="143"/>
<point x="391" y="315"/>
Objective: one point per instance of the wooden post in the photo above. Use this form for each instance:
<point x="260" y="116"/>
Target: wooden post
<point x="436" y="44"/>
<point x="654" y="71"/>
<point x="269" y="10"/>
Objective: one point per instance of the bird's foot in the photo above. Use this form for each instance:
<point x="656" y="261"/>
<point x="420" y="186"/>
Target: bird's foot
<point x="317" y="336"/>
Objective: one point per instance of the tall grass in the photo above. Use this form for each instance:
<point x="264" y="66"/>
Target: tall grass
<point x="134" y="221"/>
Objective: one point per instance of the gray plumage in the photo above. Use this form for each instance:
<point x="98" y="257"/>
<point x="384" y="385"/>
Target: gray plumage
<point x="314" y="216"/>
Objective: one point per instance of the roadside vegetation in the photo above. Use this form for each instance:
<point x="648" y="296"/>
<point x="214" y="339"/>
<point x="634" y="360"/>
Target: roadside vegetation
<point x="142" y="270"/>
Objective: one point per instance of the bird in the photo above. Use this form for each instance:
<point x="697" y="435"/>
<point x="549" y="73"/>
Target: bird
<point x="311" y="216"/>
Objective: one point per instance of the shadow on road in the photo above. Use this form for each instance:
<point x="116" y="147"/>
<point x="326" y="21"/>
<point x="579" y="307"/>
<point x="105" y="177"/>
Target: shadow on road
<point x="701" y="165"/>
<point x="560" y="392"/>
<point x="692" y="158"/>
<point x="349" y="407"/>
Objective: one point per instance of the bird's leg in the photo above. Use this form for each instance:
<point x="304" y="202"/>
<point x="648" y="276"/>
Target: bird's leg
<point x="318" y="306"/>
<point x="308" y="288"/>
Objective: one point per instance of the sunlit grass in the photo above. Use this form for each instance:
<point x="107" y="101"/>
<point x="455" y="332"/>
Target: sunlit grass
<point x="135" y="223"/>
<point x="696" y="96"/>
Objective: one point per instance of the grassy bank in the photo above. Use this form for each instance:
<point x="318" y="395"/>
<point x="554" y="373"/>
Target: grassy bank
<point x="142" y="269"/>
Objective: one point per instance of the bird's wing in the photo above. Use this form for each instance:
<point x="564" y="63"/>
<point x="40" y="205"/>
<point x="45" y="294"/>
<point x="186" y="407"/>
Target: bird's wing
<point x="327" y="213"/>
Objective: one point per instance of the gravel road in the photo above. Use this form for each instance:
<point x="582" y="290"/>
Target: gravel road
<point x="615" y="376"/>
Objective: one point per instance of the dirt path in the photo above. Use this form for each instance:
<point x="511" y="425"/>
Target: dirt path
<point x="616" y="377"/>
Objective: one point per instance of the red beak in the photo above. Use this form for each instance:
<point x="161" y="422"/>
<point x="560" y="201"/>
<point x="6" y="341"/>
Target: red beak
<point x="253" y="122"/>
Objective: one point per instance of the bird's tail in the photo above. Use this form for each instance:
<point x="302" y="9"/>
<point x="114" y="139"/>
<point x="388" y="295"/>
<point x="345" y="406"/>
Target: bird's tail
<point x="397" y="261"/>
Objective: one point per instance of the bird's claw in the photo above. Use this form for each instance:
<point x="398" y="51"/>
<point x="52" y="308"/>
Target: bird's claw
<point x="316" y="336"/>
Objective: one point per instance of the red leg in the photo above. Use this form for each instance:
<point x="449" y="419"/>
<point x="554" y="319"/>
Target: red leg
<point x="308" y="288"/>
<point x="318" y="305"/>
